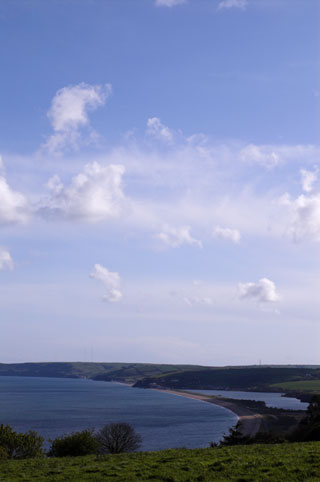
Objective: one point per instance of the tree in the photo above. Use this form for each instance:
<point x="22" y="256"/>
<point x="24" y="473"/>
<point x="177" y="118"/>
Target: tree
<point x="16" y="445"/>
<point x="116" y="438"/>
<point x="235" y="437"/>
<point x="309" y="428"/>
<point x="76" y="444"/>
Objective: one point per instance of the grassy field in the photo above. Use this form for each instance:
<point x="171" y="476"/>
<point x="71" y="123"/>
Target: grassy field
<point x="303" y="386"/>
<point x="261" y="463"/>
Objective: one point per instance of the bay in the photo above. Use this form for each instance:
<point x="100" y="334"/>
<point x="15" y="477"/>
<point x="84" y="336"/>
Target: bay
<point x="57" y="406"/>
<point x="271" y="399"/>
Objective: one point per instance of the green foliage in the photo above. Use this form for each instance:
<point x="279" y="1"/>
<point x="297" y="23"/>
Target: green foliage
<point x="74" y="445"/>
<point x="235" y="437"/>
<point x="255" y="463"/>
<point x="309" y="427"/>
<point x="116" y="438"/>
<point x="14" y="445"/>
<point x="3" y="454"/>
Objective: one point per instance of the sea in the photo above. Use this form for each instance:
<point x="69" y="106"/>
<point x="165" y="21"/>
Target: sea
<point x="57" y="406"/>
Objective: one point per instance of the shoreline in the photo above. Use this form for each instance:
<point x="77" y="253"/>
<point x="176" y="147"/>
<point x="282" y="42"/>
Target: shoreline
<point x="250" y="422"/>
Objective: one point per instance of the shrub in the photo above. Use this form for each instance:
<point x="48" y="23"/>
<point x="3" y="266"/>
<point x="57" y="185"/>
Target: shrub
<point x="19" y="445"/>
<point x="3" y="453"/>
<point x="116" y="438"/>
<point x="76" y="444"/>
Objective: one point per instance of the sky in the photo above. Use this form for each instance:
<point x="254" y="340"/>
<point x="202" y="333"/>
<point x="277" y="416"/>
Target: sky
<point x="160" y="181"/>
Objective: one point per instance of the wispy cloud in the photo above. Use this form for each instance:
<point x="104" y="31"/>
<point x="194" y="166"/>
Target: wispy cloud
<point x="242" y="4"/>
<point x="308" y="179"/>
<point x="227" y="233"/>
<point x="156" y="129"/>
<point x="177" y="236"/>
<point x="169" y="3"/>
<point x="68" y="113"/>
<point x="273" y="155"/>
<point x="263" y="155"/>
<point x="6" y="262"/>
<point x="110" y="280"/>
<point x="197" y="300"/>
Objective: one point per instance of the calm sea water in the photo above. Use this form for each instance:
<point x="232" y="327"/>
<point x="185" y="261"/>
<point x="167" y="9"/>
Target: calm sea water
<point x="271" y="399"/>
<point x="56" y="406"/>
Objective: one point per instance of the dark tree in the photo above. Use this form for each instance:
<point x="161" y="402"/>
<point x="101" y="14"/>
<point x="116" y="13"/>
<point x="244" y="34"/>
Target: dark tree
<point x="116" y="438"/>
<point x="74" y="445"/>
<point x="14" y="445"/>
<point x="235" y="437"/>
<point x="308" y="429"/>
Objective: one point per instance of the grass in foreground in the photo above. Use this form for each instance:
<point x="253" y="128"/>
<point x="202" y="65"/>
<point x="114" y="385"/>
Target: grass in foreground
<point x="273" y="463"/>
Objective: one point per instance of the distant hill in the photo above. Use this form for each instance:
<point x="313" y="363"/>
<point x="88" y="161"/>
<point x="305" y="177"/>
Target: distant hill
<point x="255" y="378"/>
<point x="122" y="372"/>
<point x="148" y="375"/>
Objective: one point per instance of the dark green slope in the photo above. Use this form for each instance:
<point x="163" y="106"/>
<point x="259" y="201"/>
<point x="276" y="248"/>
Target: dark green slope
<point x="147" y="375"/>
<point x="236" y="378"/>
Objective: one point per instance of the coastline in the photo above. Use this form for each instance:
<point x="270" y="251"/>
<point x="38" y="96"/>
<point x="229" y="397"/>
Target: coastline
<point x="250" y="422"/>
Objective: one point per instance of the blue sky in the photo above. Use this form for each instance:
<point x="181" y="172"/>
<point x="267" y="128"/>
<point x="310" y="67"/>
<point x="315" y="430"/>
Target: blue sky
<point x="159" y="181"/>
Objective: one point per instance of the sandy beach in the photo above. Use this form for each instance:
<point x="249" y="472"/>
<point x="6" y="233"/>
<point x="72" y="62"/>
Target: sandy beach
<point x="251" y="422"/>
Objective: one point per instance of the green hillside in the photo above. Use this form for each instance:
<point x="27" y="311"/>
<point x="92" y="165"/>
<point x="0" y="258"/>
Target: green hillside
<point x="311" y="386"/>
<point x="267" y="463"/>
<point x="126" y="372"/>
<point x="147" y="375"/>
<point x="233" y="378"/>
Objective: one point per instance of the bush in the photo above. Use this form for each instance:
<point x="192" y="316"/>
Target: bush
<point x="14" y="445"/>
<point x="3" y="454"/>
<point x="116" y="438"/>
<point x="74" y="445"/>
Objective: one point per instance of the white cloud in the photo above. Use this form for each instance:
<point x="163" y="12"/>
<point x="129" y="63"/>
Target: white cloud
<point x="156" y="129"/>
<point x="69" y="113"/>
<point x="227" y="233"/>
<point x="266" y="156"/>
<point x="169" y="3"/>
<point x="308" y="178"/>
<point x="111" y="282"/>
<point x="233" y="4"/>
<point x="272" y="155"/>
<point x="13" y="205"/>
<point x="6" y="262"/>
<point x="196" y="295"/>
<point x="263" y="291"/>
<point x="175" y="237"/>
<point x="93" y="195"/>
<point x="197" y="300"/>
<point x="305" y="216"/>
